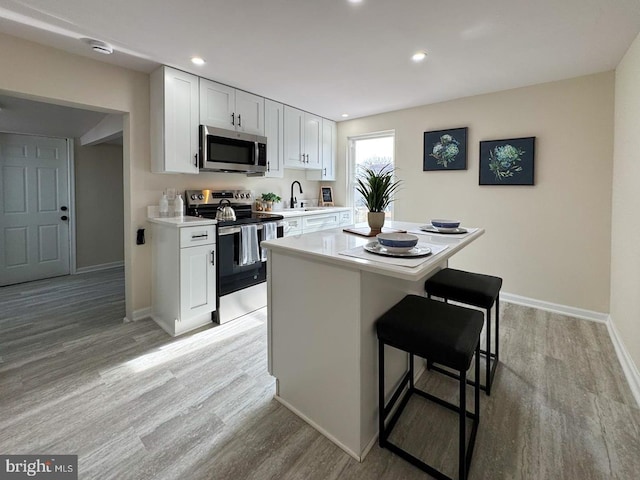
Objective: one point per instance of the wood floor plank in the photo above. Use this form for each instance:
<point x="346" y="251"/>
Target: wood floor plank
<point x="134" y="403"/>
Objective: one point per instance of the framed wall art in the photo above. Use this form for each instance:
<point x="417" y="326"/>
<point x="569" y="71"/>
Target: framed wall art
<point x="445" y="150"/>
<point x="507" y="162"/>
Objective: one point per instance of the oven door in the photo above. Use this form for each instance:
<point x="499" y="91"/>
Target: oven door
<point x="231" y="275"/>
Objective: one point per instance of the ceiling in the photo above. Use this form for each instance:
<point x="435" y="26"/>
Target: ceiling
<point x="331" y="56"/>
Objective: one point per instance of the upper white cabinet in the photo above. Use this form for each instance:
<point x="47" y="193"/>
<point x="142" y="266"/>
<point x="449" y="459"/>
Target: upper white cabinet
<point x="328" y="154"/>
<point x="226" y="107"/>
<point x="274" y="131"/>
<point x="302" y="139"/>
<point x="174" y="121"/>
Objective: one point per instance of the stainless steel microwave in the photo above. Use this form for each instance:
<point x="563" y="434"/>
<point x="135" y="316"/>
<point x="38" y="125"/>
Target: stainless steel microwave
<point x="230" y="151"/>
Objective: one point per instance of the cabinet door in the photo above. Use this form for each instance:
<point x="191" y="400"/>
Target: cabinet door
<point x="197" y="281"/>
<point x="174" y="122"/>
<point x="312" y="141"/>
<point x="217" y="104"/>
<point x="293" y="137"/>
<point x="274" y="131"/>
<point x="329" y="149"/>
<point x="249" y="113"/>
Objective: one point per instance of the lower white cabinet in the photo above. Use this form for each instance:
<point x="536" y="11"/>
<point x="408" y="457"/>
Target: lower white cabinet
<point x="292" y="226"/>
<point x="314" y="221"/>
<point x="184" y="277"/>
<point x="325" y="221"/>
<point x="346" y="217"/>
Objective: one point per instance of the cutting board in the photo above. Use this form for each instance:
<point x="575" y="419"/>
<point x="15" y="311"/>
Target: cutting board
<point x="366" y="231"/>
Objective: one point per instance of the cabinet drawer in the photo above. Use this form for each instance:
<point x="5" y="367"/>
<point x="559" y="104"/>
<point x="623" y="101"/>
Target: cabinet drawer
<point x="345" y="217"/>
<point x="314" y="223"/>
<point x="193" y="236"/>
<point x="292" y="226"/>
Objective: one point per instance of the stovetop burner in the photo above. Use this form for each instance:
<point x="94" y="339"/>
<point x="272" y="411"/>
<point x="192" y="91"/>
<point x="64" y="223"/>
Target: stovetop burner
<point x="204" y="203"/>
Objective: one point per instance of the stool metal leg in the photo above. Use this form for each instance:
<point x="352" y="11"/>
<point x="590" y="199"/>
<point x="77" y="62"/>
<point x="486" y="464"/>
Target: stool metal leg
<point x="410" y="371"/>
<point x="462" y="457"/>
<point x="498" y="328"/>
<point x="488" y="356"/>
<point x="382" y="440"/>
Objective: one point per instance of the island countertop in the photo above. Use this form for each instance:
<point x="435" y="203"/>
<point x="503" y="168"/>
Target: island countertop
<point x="326" y="245"/>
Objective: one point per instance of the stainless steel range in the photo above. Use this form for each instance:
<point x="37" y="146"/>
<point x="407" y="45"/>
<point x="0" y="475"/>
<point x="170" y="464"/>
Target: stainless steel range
<point x="240" y="276"/>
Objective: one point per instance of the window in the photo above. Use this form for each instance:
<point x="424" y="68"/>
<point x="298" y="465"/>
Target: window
<point x="373" y="151"/>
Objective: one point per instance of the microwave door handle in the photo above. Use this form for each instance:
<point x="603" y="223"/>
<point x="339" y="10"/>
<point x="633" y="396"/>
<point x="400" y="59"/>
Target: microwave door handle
<point x="233" y="119"/>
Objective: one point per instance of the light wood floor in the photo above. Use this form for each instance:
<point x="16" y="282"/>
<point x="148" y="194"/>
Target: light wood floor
<point x="134" y="403"/>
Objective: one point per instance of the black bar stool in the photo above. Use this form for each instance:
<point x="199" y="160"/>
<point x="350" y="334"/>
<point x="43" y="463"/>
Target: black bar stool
<point x="472" y="289"/>
<point x="449" y="335"/>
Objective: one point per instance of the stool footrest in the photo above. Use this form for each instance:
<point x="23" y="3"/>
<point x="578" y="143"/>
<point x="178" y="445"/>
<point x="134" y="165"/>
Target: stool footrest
<point x="494" y="364"/>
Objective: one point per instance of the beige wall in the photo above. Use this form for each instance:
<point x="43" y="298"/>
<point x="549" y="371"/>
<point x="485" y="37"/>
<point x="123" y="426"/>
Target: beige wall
<point x="625" y="244"/>
<point x="99" y="204"/>
<point x="46" y="74"/>
<point x="549" y="242"/>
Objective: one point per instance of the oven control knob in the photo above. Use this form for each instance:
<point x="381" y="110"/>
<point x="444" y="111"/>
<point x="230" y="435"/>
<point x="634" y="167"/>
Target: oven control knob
<point x="200" y="197"/>
<point x="242" y="195"/>
<point x="194" y="196"/>
<point x="248" y="195"/>
<point x="237" y="195"/>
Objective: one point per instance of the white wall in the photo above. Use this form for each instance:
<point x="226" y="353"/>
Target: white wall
<point x="549" y="242"/>
<point x="625" y="228"/>
<point x="99" y="204"/>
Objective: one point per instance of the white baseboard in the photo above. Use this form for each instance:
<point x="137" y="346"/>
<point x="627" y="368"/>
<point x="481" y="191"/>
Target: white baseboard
<point x="320" y="429"/>
<point x="554" y="307"/>
<point x="103" y="266"/>
<point x="628" y="366"/>
<point x="138" y="315"/>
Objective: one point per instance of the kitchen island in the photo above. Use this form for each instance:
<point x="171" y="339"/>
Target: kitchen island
<point x="322" y="306"/>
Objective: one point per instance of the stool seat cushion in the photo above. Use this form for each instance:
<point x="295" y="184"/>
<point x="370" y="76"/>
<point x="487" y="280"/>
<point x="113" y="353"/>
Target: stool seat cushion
<point x="466" y="287"/>
<point x="444" y="333"/>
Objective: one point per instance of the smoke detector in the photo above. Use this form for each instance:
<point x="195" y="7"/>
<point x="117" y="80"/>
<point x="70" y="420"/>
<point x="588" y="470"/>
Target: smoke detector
<point x="100" y="47"/>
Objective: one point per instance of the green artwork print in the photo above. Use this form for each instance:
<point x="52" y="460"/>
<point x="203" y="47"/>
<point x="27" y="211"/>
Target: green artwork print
<point x="504" y="161"/>
<point x="446" y="150"/>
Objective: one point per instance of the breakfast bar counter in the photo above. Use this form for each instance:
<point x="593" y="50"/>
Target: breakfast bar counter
<point x="324" y="294"/>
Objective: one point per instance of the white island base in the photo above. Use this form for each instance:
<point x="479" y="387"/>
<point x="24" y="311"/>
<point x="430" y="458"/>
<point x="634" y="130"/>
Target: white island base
<point x="322" y="309"/>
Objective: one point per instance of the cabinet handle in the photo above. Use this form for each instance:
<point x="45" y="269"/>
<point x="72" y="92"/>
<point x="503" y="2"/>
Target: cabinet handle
<point x="204" y="235"/>
<point x="233" y="119"/>
<point x="239" y="120"/>
<point x="196" y="159"/>
<point x="268" y="166"/>
<point x="302" y="155"/>
<point x="325" y="171"/>
<point x="307" y="158"/>
<point x="213" y="257"/>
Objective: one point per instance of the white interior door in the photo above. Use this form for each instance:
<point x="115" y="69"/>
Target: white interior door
<point x="34" y="216"/>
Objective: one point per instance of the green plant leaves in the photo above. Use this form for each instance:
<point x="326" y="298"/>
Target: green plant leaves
<point x="377" y="187"/>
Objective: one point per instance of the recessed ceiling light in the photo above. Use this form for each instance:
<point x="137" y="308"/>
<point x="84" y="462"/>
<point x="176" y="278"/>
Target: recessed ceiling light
<point x="419" y="56"/>
<point x="355" y="1"/>
<point x="100" y="47"/>
<point x="345" y="115"/>
<point x="197" y="61"/>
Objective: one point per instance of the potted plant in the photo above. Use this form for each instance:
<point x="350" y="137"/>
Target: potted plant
<point x="377" y="188"/>
<point x="269" y="198"/>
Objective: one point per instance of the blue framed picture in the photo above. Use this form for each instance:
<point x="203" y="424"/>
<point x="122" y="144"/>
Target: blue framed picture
<point x="507" y="162"/>
<point x="445" y="149"/>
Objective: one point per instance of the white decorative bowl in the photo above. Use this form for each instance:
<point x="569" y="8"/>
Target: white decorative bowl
<point x="397" y="242"/>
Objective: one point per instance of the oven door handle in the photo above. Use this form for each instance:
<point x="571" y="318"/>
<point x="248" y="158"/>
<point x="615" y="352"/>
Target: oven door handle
<point x="231" y="230"/>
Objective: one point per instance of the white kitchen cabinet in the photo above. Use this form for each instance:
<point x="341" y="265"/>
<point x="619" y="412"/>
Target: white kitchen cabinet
<point x="329" y="148"/>
<point x="184" y="276"/>
<point x="345" y="217"/>
<point x="292" y="226"/>
<point x="302" y="139"/>
<point x="325" y="221"/>
<point x="174" y="121"/>
<point x="274" y="131"/>
<point x="226" y="107"/>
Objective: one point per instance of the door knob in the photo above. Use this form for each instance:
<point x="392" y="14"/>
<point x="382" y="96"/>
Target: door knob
<point x="64" y="217"/>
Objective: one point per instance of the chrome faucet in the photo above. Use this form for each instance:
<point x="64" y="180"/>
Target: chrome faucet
<point x="294" y="200"/>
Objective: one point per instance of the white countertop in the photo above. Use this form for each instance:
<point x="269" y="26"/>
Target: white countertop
<point x="299" y="212"/>
<point x="184" y="221"/>
<point x="325" y="246"/>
